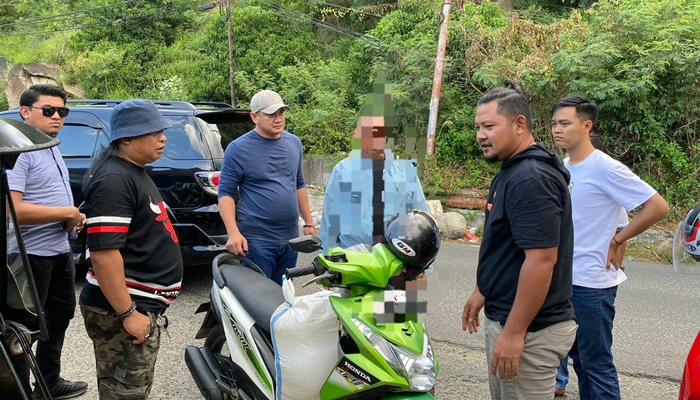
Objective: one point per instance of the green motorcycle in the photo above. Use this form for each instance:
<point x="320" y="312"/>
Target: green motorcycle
<point x="384" y="351"/>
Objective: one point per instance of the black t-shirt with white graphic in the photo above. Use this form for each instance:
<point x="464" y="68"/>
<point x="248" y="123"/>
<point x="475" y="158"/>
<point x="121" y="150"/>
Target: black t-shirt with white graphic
<point x="125" y="211"/>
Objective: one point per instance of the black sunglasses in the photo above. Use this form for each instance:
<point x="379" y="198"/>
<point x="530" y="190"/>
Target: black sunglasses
<point x="50" y="111"/>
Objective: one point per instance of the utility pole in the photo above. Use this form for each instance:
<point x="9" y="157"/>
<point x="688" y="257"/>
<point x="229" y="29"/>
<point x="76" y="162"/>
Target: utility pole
<point x="230" y="53"/>
<point x="437" y="77"/>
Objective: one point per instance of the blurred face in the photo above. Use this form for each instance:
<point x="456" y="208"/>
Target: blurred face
<point x="371" y="134"/>
<point x="569" y="130"/>
<point x="144" y="149"/>
<point x="34" y="115"/>
<point x="269" y="125"/>
<point x="494" y="133"/>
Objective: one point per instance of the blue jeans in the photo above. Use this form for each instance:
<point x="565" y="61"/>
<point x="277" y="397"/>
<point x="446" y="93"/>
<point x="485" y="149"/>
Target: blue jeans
<point x="592" y="351"/>
<point x="563" y="373"/>
<point x="273" y="259"/>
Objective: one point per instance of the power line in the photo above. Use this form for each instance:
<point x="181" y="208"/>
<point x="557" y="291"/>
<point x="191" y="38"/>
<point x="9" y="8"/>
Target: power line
<point x="286" y="13"/>
<point x="169" y="8"/>
<point x="31" y="21"/>
<point x="72" y="17"/>
<point x="276" y="10"/>
<point x="346" y="8"/>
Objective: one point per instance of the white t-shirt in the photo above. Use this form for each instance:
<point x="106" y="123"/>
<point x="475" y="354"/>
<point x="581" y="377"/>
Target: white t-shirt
<point x="600" y="187"/>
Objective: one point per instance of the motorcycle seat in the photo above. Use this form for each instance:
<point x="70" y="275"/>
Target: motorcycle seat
<point x="259" y="295"/>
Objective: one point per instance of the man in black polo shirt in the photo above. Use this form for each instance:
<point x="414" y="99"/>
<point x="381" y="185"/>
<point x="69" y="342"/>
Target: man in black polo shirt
<point x="524" y="271"/>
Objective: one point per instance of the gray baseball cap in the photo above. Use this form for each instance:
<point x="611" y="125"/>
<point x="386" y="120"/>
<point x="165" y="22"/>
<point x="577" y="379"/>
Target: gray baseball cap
<point x="267" y="101"/>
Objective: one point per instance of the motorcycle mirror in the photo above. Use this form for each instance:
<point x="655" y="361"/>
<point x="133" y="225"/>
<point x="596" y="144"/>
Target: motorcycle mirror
<point x="305" y="244"/>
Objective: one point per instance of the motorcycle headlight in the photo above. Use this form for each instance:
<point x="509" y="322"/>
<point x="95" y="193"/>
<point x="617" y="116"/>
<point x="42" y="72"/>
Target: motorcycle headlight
<point x="418" y="369"/>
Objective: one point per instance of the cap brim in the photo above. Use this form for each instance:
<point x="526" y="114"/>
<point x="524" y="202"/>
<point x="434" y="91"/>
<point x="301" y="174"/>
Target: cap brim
<point x="273" y="108"/>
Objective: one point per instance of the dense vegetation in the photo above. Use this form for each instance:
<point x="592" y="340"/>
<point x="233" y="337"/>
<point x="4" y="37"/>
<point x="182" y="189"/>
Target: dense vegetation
<point x="638" y="59"/>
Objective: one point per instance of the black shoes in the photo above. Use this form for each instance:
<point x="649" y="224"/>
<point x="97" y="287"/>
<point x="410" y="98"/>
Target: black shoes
<point x="62" y="389"/>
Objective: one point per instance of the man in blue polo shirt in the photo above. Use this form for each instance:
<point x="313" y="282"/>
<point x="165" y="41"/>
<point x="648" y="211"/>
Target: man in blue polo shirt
<point x="264" y="165"/>
<point x="41" y="193"/>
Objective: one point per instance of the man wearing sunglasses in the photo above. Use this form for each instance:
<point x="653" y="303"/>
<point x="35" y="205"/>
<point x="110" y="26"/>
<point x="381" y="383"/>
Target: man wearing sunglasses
<point x="41" y="193"/>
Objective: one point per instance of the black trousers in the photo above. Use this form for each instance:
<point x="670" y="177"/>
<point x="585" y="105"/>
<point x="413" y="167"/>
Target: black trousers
<point x="55" y="281"/>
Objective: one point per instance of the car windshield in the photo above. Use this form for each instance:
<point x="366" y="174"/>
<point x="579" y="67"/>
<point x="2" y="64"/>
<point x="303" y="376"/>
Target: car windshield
<point x="77" y="140"/>
<point x="184" y="141"/>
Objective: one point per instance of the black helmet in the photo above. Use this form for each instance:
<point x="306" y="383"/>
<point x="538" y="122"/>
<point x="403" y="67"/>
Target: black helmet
<point x="414" y="238"/>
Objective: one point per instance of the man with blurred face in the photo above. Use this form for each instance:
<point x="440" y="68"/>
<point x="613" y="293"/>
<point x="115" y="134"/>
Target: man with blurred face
<point x="265" y="167"/>
<point x="135" y="265"/>
<point x="601" y="190"/>
<point x="43" y="200"/>
<point x="372" y="185"/>
<point x="524" y="270"/>
<point x="349" y="215"/>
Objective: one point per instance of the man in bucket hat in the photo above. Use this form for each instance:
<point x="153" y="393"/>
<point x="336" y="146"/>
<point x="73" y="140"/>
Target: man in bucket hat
<point x="264" y="165"/>
<point x="135" y="265"/>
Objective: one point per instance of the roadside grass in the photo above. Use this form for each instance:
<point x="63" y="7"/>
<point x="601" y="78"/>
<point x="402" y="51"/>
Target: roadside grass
<point x="653" y="253"/>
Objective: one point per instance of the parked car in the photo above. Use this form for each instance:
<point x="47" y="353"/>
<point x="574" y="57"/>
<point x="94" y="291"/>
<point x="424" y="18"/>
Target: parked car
<point x="686" y="260"/>
<point x="187" y="174"/>
<point x="690" y="381"/>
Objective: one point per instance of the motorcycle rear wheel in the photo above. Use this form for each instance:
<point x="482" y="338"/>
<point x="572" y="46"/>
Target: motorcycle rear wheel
<point x="216" y="339"/>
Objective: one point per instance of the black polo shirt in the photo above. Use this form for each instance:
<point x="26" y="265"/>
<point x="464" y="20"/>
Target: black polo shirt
<point x="528" y="207"/>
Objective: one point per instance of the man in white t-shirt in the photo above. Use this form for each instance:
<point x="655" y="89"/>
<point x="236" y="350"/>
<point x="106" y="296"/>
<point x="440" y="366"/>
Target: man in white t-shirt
<point x="600" y="187"/>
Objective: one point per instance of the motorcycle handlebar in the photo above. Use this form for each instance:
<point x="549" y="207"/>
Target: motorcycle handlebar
<point x="299" y="271"/>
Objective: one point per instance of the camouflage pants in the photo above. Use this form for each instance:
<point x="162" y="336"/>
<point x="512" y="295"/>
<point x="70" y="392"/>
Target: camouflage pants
<point x="124" y="370"/>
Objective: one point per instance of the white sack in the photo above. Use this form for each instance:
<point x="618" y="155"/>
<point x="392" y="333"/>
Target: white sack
<point x="305" y="336"/>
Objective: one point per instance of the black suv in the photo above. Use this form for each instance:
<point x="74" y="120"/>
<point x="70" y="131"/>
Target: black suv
<point x="187" y="174"/>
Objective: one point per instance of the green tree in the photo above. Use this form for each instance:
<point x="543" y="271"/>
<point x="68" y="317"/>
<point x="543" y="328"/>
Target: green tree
<point x="321" y="115"/>
<point x="201" y="59"/>
<point x="639" y="60"/>
<point x="137" y="31"/>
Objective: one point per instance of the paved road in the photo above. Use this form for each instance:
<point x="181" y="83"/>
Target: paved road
<point x="656" y="324"/>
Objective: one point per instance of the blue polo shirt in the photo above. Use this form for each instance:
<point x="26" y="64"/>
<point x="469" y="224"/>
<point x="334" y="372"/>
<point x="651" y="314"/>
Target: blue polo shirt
<point x="42" y="177"/>
<point x="267" y="173"/>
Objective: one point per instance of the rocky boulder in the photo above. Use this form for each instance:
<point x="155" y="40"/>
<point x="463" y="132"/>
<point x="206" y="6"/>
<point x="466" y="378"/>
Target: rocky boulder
<point x="452" y="225"/>
<point x="21" y="77"/>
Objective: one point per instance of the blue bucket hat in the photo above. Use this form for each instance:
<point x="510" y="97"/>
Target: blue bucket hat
<point x="136" y="118"/>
